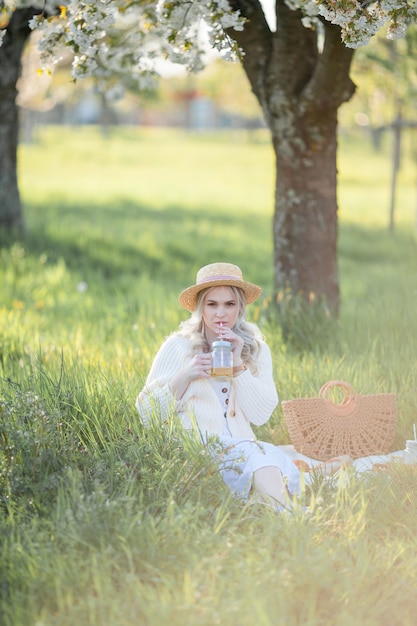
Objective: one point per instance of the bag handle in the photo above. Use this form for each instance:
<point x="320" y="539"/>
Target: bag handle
<point x="348" y="403"/>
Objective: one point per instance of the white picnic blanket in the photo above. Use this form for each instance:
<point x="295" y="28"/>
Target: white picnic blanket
<point x="363" y="464"/>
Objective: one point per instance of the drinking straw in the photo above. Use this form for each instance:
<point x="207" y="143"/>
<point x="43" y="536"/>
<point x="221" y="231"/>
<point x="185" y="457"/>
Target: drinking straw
<point x="414" y="430"/>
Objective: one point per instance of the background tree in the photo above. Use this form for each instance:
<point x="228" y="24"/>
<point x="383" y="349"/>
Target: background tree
<point x="387" y="70"/>
<point x="66" y="32"/>
<point x="388" y="98"/>
<point x="299" y="73"/>
<point x="14" y="40"/>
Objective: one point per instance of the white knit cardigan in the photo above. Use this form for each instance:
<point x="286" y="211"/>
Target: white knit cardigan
<point x="252" y="398"/>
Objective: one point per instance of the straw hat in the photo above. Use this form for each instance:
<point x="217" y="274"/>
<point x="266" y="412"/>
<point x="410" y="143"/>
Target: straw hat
<point x="214" y="275"/>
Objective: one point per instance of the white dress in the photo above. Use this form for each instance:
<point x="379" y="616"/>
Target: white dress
<point x="238" y="459"/>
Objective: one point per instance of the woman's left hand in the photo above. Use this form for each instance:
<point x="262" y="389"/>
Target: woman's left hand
<point x="237" y="342"/>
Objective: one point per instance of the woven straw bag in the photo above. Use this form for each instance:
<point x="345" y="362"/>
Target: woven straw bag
<point x="358" y="425"/>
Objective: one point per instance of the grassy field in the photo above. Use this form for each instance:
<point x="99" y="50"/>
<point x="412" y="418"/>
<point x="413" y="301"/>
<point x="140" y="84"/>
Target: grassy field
<point x="105" y="524"/>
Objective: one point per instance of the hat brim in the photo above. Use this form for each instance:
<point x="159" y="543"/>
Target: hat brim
<point x="188" y="297"/>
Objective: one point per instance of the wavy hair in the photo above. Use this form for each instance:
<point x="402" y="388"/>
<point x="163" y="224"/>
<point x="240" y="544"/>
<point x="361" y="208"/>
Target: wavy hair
<point x="193" y="328"/>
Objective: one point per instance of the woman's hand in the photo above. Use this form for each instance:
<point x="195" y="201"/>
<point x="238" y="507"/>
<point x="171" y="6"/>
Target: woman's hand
<point x="237" y="343"/>
<point x="198" y="367"/>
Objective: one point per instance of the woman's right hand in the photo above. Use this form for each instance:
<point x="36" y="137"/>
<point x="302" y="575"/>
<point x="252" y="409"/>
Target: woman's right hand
<point x="198" y="367"/>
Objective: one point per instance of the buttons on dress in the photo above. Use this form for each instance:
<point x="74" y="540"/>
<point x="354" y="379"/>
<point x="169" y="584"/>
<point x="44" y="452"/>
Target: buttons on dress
<point x="222" y="389"/>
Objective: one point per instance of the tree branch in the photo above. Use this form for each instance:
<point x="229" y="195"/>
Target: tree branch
<point x="255" y="41"/>
<point x="331" y="84"/>
<point x="295" y="50"/>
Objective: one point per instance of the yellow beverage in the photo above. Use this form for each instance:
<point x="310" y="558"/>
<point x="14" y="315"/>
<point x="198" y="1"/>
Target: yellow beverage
<point x="221" y="373"/>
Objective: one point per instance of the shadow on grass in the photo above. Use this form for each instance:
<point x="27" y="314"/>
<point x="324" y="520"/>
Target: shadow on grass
<point x="124" y="237"/>
<point x="366" y="245"/>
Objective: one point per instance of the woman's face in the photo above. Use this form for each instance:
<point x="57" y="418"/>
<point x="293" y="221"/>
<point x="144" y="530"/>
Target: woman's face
<point x="220" y="309"/>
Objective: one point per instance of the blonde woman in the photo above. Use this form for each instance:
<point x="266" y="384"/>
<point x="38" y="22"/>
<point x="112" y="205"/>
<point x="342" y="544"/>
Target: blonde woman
<point x="180" y="383"/>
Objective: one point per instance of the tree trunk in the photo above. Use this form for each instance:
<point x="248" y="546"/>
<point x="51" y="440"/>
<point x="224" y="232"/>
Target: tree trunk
<point x="300" y="77"/>
<point x="11" y="216"/>
<point x="305" y="219"/>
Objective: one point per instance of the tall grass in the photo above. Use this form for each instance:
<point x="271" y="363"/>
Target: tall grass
<point x="105" y="523"/>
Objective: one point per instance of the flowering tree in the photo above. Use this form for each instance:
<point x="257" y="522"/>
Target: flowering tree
<point x="298" y="72"/>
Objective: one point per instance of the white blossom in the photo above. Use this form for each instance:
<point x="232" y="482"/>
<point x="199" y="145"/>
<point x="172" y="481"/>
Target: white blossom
<point x="396" y="30"/>
<point x="179" y="30"/>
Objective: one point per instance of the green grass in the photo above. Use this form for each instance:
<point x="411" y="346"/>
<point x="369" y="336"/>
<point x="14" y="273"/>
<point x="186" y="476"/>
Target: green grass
<point x="103" y="523"/>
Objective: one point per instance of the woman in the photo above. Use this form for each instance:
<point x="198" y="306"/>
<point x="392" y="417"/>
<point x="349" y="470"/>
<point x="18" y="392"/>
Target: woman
<point x="180" y="383"/>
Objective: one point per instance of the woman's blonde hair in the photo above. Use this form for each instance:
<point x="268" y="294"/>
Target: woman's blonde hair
<point x="193" y="328"/>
